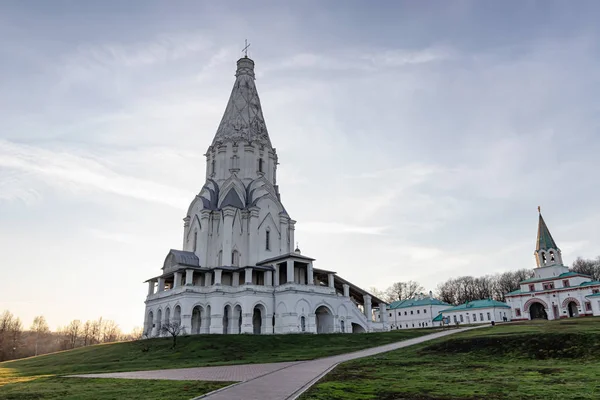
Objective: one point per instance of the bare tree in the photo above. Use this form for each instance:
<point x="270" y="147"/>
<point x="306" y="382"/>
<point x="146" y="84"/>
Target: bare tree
<point x="587" y="267"/>
<point x="41" y="329"/>
<point x="110" y="331"/>
<point x="86" y="332"/>
<point x="96" y="331"/>
<point x="10" y="335"/>
<point x="136" y="333"/>
<point x="403" y="290"/>
<point x="72" y="332"/>
<point x="378" y="293"/>
<point x="15" y="333"/>
<point x="174" y="329"/>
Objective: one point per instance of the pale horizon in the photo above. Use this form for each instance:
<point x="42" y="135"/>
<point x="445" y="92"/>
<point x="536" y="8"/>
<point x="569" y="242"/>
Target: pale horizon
<point x="415" y="143"/>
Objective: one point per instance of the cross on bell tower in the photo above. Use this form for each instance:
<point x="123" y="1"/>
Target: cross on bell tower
<point x="245" y="49"/>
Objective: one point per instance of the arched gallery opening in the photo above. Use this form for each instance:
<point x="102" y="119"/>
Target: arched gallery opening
<point x="258" y="315"/>
<point x="237" y="317"/>
<point x="149" y="323"/>
<point x="196" y="320"/>
<point x="226" y="316"/>
<point x="573" y="310"/>
<point x="537" y="311"/>
<point x="324" y="320"/>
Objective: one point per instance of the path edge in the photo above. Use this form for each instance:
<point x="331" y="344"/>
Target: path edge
<point x="311" y="383"/>
<point x="202" y="396"/>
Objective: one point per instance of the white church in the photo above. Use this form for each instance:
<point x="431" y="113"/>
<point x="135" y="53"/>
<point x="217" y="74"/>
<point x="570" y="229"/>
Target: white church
<point x="238" y="271"/>
<point x="553" y="292"/>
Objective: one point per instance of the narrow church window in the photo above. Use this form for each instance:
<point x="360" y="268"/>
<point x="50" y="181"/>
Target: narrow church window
<point x="588" y="306"/>
<point x="566" y="283"/>
<point x="544" y="258"/>
<point x="213" y="167"/>
<point x="235" y="258"/>
<point x="551" y="256"/>
<point x="474" y="317"/>
<point x="268" y="240"/>
<point x="488" y="315"/>
<point x="343" y="326"/>
<point x="532" y="288"/>
<point x="461" y="318"/>
<point x="303" y="324"/>
<point x="195" y="240"/>
<point x="518" y="312"/>
<point x="260" y="165"/>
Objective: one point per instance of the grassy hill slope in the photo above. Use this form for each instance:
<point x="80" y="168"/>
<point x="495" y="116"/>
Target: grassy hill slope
<point x="533" y="360"/>
<point x="38" y="377"/>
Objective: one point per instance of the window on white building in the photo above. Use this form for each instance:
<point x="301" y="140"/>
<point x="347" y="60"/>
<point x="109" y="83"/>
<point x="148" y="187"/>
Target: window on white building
<point x="489" y="317"/>
<point x="235" y="258"/>
<point x="518" y="312"/>
<point x="481" y="316"/>
<point x="418" y="311"/>
<point x="474" y="317"/>
<point x="268" y="240"/>
<point x="411" y="312"/>
<point x="424" y="311"/>
<point x="461" y="318"/>
<point x="195" y="240"/>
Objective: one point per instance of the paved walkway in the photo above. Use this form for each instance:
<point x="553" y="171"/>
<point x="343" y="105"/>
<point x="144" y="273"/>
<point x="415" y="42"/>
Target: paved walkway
<point x="277" y="381"/>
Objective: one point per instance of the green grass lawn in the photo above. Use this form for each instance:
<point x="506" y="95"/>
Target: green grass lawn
<point x="40" y="377"/>
<point x="534" y="360"/>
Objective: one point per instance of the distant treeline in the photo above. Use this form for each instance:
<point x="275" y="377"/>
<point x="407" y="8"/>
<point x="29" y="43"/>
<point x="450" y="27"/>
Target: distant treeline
<point x="16" y="342"/>
<point x="468" y="288"/>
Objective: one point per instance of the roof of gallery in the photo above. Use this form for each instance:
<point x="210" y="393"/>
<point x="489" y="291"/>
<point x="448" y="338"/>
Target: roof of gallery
<point x="469" y="305"/>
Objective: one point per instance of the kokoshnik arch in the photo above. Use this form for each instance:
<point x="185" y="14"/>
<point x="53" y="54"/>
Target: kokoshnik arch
<point x="238" y="271"/>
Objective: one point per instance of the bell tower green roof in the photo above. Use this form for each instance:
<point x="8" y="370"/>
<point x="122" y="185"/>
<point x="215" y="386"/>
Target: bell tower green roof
<point x="544" y="238"/>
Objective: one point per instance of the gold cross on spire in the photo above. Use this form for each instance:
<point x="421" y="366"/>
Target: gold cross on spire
<point x="245" y="49"/>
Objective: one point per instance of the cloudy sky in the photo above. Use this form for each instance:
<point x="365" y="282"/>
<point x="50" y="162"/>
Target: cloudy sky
<point x="415" y="140"/>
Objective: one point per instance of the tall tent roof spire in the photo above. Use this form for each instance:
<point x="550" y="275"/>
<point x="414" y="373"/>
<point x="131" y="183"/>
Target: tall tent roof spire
<point x="544" y="238"/>
<point x="243" y="117"/>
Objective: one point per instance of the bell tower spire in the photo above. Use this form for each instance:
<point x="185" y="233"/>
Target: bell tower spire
<point x="547" y="253"/>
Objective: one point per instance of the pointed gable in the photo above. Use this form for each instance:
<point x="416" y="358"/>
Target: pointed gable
<point x="243" y="117"/>
<point x="544" y="238"/>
